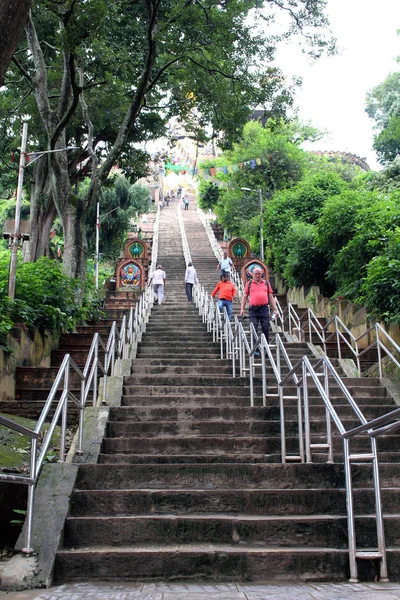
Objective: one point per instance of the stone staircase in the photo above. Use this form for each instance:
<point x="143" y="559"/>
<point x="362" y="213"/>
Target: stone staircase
<point x="33" y="384"/>
<point x="189" y="486"/>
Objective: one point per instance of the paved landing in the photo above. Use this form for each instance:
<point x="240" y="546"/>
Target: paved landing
<point x="230" y="591"/>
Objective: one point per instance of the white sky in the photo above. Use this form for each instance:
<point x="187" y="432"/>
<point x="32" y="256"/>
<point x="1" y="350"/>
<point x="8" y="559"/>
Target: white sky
<point x="334" y="88"/>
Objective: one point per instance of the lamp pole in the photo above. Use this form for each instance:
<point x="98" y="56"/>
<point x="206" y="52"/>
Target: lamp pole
<point x="261" y="226"/>
<point x="244" y="189"/>
<point x="15" y="238"/>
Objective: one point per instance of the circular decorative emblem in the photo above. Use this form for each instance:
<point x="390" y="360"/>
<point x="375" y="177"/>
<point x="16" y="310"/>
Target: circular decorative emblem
<point x="250" y="268"/>
<point x="136" y="250"/>
<point x="130" y="275"/>
<point x="239" y="250"/>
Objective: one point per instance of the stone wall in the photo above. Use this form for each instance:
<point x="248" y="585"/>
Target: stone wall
<point x="28" y="348"/>
<point x="353" y="316"/>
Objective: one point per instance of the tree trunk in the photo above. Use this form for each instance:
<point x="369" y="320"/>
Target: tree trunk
<point x="13" y="17"/>
<point x="43" y="212"/>
<point x="72" y="212"/>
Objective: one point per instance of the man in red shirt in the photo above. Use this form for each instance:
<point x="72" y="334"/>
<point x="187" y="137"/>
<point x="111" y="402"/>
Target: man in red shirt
<point x="261" y="295"/>
<point x="227" y="292"/>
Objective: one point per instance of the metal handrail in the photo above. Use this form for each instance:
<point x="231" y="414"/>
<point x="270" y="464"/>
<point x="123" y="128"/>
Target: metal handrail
<point x="117" y="347"/>
<point x="218" y="252"/>
<point x="240" y="346"/>
<point x="339" y="328"/>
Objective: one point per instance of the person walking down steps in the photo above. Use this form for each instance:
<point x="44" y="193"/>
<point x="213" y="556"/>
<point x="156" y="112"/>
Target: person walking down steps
<point x="227" y="292"/>
<point x="190" y="280"/>
<point x="224" y="266"/>
<point x="260" y="295"/>
<point x="158" y="280"/>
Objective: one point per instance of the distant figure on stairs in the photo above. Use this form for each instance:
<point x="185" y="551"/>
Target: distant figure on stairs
<point x="158" y="280"/>
<point x="227" y="292"/>
<point x="186" y="202"/>
<point x="190" y="280"/>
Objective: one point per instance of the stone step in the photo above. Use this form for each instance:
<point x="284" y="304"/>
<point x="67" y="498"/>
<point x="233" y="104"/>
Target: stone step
<point x="220" y="444"/>
<point x="216" y="563"/>
<point x="217" y="476"/>
<point x="235" y="501"/>
<point x="326" y="531"/>
<point x="241" y="397"/>
<point x="242" y="427"/>
<point x="211" y="412"/>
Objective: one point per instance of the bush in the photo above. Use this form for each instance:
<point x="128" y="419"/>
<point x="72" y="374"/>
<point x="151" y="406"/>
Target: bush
<point x="305" y="263"/>
<point x="380" y="290"/>
<point x="45" y="298"/>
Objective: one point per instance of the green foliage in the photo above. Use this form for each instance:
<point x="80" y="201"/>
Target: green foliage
<point x="45" y="298"/>
<point x="209" y="195"/>
<point x="338" y="219"/>
<point x="374" y="224"/>
<point x="380" y="289"/>
<point x="383" y="105"/>
<point x="122" y="201"/>
<point x="305" y="262"/>
<point x="387" y="142"/>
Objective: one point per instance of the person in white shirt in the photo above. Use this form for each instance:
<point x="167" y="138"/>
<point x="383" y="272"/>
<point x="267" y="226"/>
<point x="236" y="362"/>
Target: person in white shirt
<point x="158" y="280"/>
<point x="190" y="280"/>
<point x="224" y="266"/>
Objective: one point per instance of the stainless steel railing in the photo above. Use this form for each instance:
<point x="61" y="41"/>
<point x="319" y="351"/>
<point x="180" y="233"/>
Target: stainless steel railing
<point x="119" y="344"/>
<point x="235" y="344"/>
<point x="337" y="330"/>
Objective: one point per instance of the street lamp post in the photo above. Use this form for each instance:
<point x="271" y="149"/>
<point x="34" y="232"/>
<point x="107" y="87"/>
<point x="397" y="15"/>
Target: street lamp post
<point x="261" y="226"/>
<point x="15" y="238"/>
<point x="244" y="189"/>
<point x="16" y="234"/>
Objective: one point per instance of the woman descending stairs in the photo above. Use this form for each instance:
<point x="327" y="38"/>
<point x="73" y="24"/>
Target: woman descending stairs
<point x="189" y="483"/>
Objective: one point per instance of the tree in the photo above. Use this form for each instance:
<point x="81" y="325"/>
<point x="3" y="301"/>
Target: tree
<point x="144" y="58"/>
<point x="270" y="160"/>
<point x="125" y="201"/>
<point x="13" y="17"/>
<point x="383" y="105"/>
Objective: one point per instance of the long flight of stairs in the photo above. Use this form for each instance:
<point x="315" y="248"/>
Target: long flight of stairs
<point x="189" y="485"/>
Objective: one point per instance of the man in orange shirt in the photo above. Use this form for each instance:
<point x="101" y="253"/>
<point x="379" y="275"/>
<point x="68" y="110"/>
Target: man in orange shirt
<point x="260" y="295"/>
<point x="227" y="292"/>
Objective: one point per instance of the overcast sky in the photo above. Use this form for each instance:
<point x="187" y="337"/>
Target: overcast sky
<point x="334" y="88"/>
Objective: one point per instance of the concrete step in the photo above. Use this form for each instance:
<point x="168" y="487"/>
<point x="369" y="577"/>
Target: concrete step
<point x="193" y="412"/>
<point x="220" y="444"/>
<point x="235" y="501"/>
<point x="262" y="531"/>
<point x="209" y="562"/>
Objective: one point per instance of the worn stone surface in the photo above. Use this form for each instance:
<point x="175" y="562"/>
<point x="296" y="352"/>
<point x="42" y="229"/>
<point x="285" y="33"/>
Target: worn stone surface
<point x="231" y="591"/>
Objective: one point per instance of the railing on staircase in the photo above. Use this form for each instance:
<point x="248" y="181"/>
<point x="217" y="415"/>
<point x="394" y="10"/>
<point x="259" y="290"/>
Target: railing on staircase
<point x="336" y="330"/>
<point x="215" y="245"/>
<point x="185" y="245"/>
<point x="119" y="345"/>
<point x="235" y="344"/>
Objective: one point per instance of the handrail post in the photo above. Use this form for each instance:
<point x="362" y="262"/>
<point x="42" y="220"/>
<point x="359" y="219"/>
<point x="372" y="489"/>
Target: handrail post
<point x="328" y="417"/>
<point x="27" y="549"/>
<point x="306" y="414"/>
<point x="350" y="513"/>
<point x="64" y="413"/>
<point x="378" y="346"/>
<point x="380" y="529"/>
<point x="264" y="375"/>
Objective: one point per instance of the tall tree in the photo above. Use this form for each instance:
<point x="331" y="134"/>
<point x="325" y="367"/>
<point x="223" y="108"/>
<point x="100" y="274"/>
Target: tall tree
<point x="105" y="75"/>
<point x="383" y="105"/>
<point x="13" y="17"/>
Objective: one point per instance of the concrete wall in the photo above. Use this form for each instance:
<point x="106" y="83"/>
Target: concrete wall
<point x="353" y="316"/>
<point x="28" y="348"/>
